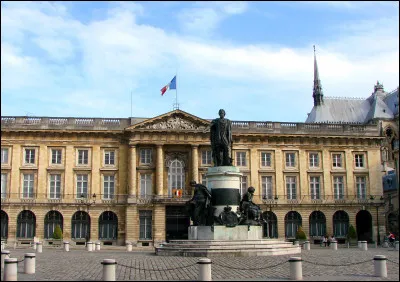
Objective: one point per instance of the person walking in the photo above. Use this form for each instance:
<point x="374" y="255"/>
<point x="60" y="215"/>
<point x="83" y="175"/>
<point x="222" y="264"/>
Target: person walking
<point x="325" y="241"/>
<point x="329" y="240"/>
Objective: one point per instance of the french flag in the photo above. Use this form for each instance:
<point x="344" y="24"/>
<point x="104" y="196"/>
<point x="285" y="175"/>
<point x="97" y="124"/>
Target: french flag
<point x="171" y="85"/>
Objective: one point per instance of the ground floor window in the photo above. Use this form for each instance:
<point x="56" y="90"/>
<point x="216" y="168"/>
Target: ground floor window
<point x="145" y="219"/>
<point x="52" y="219"/>
<point x="270" y="225"/>
<point x="340" y="224"/>
<point x="317" y="224"/>
<point x="4" y="225"/>
<point x="26" y="224"/>
<point x="108" y="226"/>
<point x="292" y="223"/>
<point x="80" y="225"/>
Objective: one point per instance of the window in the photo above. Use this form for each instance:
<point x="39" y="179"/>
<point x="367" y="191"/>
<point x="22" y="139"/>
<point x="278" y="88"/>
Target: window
<point x="80" y="227"/>
<point x="27" y="190"/>
<point x="266" y="184"/>
<point x="146" y="187"/>
<point x="314" y="160"/>
<point x="52" y="219"/>
<point x="340" y="224"/>
<point x="361" y="187"/>
<point x="56" y="156"/>
<point x="4" y="155"/>
<point x="109" y="157"/>
<point x="243" y="185"/>
<point x="337" y="160"/>
<point x="314" y="187"/>
<point x="270" y="224"/>
<point x="109" y="187"/>
<point x="338" y="187"/>
<point x="108" y="226"/>
<point x="359" y="160"/>
<point x="26" y="224"/>
<point x="240" y="158"/>
<point x="4" y="225"/>
<point x="292" y="222"/>
<point x="265" y="159"/>
<point x="29" y="156"/>
<point x="317" y="224"/>
<point x="290" y="160"/>
<point x="81" y="185"/>
<point x="206" y="157"/>
<point x="3" y="185"/>
<point x="145" y="218"/>
<point x="291" y="187"/>
<point x="145" y="156"/>
<point x="83" y="157"/>
<point x="55" y="186"/>
<point x="176" y="176"/>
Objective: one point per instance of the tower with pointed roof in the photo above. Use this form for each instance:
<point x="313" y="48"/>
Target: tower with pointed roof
<point x="317" y="91"/>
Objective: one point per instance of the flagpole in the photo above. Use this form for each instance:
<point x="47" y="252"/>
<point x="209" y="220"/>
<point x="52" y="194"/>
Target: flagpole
<point x="176" y="89"/>
<point x="131" y="103"/>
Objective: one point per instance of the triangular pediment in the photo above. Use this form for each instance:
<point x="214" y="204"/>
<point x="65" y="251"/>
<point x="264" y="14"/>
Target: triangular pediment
<point x="174" y="120"/>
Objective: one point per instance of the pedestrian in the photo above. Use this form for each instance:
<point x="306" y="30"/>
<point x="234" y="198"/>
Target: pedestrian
<point x="333" y="238"/>
<point x="329" y="240"/>
<point x="322" y="241"/>
<point x="325" y="241"/>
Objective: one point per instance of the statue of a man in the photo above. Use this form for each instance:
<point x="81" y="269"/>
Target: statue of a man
<point x="199" y="206"/>
<point x="221" y="140"/>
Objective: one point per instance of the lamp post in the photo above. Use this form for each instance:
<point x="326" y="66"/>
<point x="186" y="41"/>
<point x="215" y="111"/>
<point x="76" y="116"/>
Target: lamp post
<point x="377" y="205"/>
<point x="88" y="202"/>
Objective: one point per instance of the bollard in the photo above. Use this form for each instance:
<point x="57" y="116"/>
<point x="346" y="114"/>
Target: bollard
<point x="306" y="245"/>
<point x="39" y="247"/>
<point x="66" y="246"/>
<point x="204" y="269"/>
<point x="397" y="245"/>
<point x="89" y="246"/>
<point x="2" y="245"/>
<point x="334" y="245"/>
<point x="129" y="246"/>
<point x="380" y="266"/>
<point x="108" y="269"/>
<point x="34" y="245"/>
<point x="10" y="269"/>
<point x="296" y="272"/>
<point x="29" y="263"/>
<point x="4" y="254"/>
<point x="97" y="246"/>
<point x="376" y="245"/>
<point x="364" y="246"/>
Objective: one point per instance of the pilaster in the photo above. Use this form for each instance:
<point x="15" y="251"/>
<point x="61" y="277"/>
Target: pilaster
<point x="195" y="163"/>
<point x="132" y="171"/>
<point x="160" y="170"/>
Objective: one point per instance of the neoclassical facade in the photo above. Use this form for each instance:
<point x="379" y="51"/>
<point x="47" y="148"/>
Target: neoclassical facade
<point x="118" y="180"/>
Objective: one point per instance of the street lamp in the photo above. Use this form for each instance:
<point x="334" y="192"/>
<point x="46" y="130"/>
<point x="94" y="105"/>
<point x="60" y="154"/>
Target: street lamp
<point x="377" y="205"/>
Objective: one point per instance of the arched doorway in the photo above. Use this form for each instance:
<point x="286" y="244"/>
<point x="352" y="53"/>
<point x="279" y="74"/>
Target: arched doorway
<point x="80" y="225"/>
<point x="364" y="226"/>
<point x="4" y="225"/>
<point x="51" y="220"/>
<point x="292" y="222"/>
<point x="108" y="226"/>
<point x="340" y="224"/>
<point x="317" y="224"/>
<point x="26" y="224"/>
<point x="270" y="225"/>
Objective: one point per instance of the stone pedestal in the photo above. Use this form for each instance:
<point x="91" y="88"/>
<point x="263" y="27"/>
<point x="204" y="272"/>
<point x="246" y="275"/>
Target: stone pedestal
<point x="239" y="232"/>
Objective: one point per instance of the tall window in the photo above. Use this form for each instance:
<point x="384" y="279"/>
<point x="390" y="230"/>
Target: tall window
<point x="26" y="224"/>
<point x="243" y="185"/>
<point x="4" y="155"/>
<point x="240" y="158"/>
<point x="109" y="157"/>
<point x="83" y="157"/>
<point x="55" y="186"/>
<point x="314" y="187"/>
<point x="4" y="225"/>
<point x="108" y="226"/>
<point x="145" y="156"/>
<point x="290" y="160"/>
<point x="206" y="157"/>
<point x="30" y="156"/>
<point x="145" y="218"/>
<point x="109" y="187"/>
<point x="291" y="187"/>
<point x="27" y="190"/>
<point x="270" y="224"/>
<point x="359" y="160"/>
<point x="265" y="159"/>
<point x="314" y="160"/>
<point x="3" y="185"/>
<point x="80" y="226"/>
<point x="337" y="160"/>
<point x="361" y="187"/>
<point x="292" y="222"/>
<point x="266" y="183"/>
<point x="146" y="187"/>
<point x="340" y="224"/>
<point x="56" y="156"/>
<point x="81" y="185"/>
<point x="52" y="219"/>
<point x="176" y="176"/>
<point x="338" y="187"/>
<point x="317" y="224"/>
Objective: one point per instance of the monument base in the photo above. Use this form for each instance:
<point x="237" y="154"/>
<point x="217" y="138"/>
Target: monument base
<point x="220" y="232"/>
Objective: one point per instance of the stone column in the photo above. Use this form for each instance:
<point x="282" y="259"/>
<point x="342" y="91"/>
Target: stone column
<point x="132" y="171"/>
<point x="160" y="170"/>
<point x="195" y="163"/>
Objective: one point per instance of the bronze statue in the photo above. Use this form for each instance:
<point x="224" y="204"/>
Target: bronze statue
<point x="251" y="212"/>
<point x="199" y="207"/>
<point x="221" y="140"/>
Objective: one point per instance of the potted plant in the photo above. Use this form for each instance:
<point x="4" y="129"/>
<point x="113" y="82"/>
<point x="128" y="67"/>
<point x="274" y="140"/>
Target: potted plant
<point x="301" y="236"/>
<point x="57" y="236"/>
<point x="351" y="235"/>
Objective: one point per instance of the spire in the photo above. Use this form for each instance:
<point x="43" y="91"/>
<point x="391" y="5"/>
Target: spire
<point x="317" y="91"/>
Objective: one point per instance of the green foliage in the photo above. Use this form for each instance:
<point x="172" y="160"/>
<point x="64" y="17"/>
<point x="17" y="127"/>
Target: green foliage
<point x="300" y="235"/>
<point x="351" y="233"/>
<point x="57" y="232"/>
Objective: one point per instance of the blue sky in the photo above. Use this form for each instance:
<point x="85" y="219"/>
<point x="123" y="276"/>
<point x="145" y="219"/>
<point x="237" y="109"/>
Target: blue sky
<point x="254" y="59"/>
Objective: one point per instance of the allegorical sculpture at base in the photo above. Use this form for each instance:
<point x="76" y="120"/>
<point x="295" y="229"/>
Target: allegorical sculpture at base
<point x="199" y="207"/>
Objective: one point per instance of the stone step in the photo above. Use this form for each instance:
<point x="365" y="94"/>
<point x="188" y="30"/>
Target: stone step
<point x="227" y="245"/>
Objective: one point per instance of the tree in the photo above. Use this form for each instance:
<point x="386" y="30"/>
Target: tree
<point x="57" y="232"/>
<point x="351" y="233"/>
<point x="300" y="235"/>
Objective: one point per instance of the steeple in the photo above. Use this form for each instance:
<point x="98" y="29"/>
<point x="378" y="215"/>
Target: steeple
<point x="317" y="91"/>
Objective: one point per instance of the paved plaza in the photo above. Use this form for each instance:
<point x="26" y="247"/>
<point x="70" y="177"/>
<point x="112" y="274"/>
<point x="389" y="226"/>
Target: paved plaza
<point x="318" y="264"/>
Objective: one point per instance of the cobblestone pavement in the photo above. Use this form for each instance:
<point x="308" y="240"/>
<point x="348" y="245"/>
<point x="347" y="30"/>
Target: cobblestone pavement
<point x="318" y="264"/>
